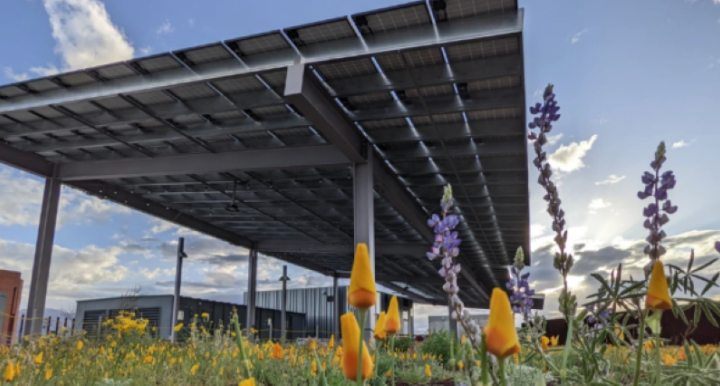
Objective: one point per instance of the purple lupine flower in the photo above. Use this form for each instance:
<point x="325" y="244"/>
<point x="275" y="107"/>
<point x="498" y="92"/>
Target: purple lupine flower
<point x="717" y="246"/>
<point x="563" y="262"/>
<point x="656" y="213"/>
<point x="521" y="297"/>
<point x="446" y="245"/>
<point x="598" y="315"/>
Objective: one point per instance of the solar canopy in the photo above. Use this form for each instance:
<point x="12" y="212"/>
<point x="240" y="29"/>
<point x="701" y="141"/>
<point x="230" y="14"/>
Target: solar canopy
<point x="253" y="140"/>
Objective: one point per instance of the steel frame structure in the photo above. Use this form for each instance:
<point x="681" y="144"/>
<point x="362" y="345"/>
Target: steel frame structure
<point x="298" y="143"/>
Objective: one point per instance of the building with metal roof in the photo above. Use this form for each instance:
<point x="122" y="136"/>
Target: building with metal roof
<point x="299" y="143"/>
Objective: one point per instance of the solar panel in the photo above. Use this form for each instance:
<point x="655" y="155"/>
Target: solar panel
<point x="76" y="79"/>
<point x="42" y="85"/>
<point x="207" y="54"/>
<point x="48" y="112"/>
<point x="318" y="33"/>
<point x="370" y="99"/>
<point x="431" y="91"/>
<point x="395" y="18"/>
<point x="482" y="49"/>
<point x="243" y="83"/>
<point x="81" y="107"/>
<point x="114" y="103"/>
<point x="11" y="91"/>
<point x="438" y="119"/>
<point x="23" y="116"/>
<point x="275" y="79"/>
<point x="346" y="69"/>
<point x="417" y="58"/>
<point x="509" y="112"/>
<point x="384" y="123"/>
<point x="158" y="63"/>
<point x="271" y="111"/>
<point x="493" y="84"/>
<point x="457" y="9"/>
<point x="193" y="91"/>
<point x="190" y="119"/>
<point x="115" y="71"/>
<point x="261" y="44"/>
<point x="152" y="98"/>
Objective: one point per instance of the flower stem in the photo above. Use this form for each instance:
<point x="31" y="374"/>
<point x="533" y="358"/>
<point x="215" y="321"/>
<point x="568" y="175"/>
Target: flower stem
<point x="360" y="350"/>
<point x="641" y="336"/>
<point x="501" y="375"/>
<point x="392" y="355"/>
<point x="566" y="351"/>
<point x="484" y="364"/>
<point x="657" y="360"/>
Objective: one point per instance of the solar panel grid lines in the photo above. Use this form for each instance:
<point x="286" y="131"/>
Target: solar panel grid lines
<point x="346" y="68"/>
<point x="398" y="18"/>
<point x="207" y="54"/>
<point x="264" y="43"/>
<point x="325" y="32"/>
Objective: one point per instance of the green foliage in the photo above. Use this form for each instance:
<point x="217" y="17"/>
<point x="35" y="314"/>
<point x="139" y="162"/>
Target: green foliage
<point x="403" y="344"/>
<point x="437" y="343"/>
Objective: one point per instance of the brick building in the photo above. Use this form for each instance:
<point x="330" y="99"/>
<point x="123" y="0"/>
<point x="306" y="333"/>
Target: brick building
<point x="10" y="293"/>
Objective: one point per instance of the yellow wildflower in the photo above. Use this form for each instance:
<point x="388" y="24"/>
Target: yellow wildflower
<point x="38" y="360"/>
<point x="427" y="371"/>
<point x="194" y="369"/>
<point x="658" y="294"/>
<point x="392" y="318"/>
<point x="500" y="333"/>
<point x="362" y="293"/>
<point x="178" y="327"/>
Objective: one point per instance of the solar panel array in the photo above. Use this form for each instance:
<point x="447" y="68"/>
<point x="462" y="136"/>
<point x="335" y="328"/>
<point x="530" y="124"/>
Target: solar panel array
<point x="439" y="114"/>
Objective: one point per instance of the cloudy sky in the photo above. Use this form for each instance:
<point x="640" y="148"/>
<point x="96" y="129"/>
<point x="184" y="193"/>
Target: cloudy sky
<point x="627" y="75"/>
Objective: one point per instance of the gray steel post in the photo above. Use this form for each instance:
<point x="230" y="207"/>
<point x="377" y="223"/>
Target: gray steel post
<point x="283" y="304"/>
<point x="178" y="282"/>
<point x="365" y="216"/>
<point x="336" y="307"/>
<point x="252" y="290"/>
<point x="43" y="255"/>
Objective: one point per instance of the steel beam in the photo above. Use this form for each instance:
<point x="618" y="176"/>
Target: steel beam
<point x="283" y="305"/>
<point x="304" y="91"/>
<point x="43" y="256"/>
<point x="246" y="160"/>
<point x="342" y="248"/>
<point x="252" y="291"/>
<point x="481" y="100"/>
<point x="484" y="129"/>
<point x="28" y="162"/>
<point x="135" y="201"/>
<point x="178" y="283"/>
<point x="461" y="72"/>
<point x="450" y="32"/>
<point x="409" y="294"/>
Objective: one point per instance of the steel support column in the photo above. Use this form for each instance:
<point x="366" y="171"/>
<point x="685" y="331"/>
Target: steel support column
<point x="283" y="305"/>
<point x="252" y="291"/>
<point x="336" y="307"/>
<point x="363" y="195"/>
<point x="43" y="256"/>
<point x="178" y="282"/>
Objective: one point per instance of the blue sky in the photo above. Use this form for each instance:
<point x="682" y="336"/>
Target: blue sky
<point x="627" y="75"/>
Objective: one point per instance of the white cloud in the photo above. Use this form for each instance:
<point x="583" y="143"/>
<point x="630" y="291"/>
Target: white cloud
<point x="569" y="158"/>
<point x="597" y="204"/>
<point x="165" y="29"/>
<point x="146" y="50"/>
<point x="21" y="198"/>
<point x="148" y="274"/>
<point x="576" y="37"/>
<point x="84" y="34"/>
<point x="17" y="77"/>
<point x="679" y="144"/>
<point x="611" y="180"/>
<point x="45" y="71"/>
<point x="553" y="139"/>
<point x="191" y="21"/>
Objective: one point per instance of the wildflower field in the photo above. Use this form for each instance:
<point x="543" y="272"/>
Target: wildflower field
<point x="614" y="337"/>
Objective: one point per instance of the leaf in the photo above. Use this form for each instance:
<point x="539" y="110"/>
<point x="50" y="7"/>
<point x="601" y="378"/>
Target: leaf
<point x="710" y="283"/>
<point x="602" y="281"/>
<point x="700" y="268"/>
<point x="709" y="315"/>
<point x="675" y="267"/>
